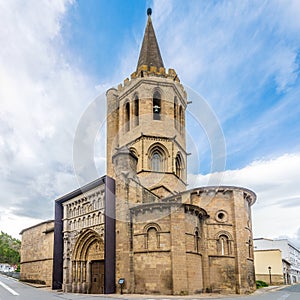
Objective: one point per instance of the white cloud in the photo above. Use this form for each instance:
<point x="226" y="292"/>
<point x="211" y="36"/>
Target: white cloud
<point x="276" y="184"/>
<point x="15" y="223"/>
<point x="228" y="52"/>
<point x="42" y="96"/>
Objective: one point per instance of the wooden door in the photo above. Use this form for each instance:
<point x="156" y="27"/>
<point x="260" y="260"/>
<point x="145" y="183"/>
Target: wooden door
<point x="97" y="277"/>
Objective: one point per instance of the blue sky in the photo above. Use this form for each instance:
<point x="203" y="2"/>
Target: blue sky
<point x="241" y="58"/>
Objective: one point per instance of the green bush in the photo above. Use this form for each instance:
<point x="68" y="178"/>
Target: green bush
<point x="261" y="284"/>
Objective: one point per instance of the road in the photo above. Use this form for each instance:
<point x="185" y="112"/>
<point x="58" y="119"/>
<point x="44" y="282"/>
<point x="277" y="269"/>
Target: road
<point x="11" y="289"/>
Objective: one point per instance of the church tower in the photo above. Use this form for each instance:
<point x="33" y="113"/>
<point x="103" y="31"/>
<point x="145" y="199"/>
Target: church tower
<point x="139" y="223"/>
<point x="146" y="115"/>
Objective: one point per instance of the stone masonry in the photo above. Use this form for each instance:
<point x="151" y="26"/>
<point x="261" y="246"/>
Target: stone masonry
<point x="139" y="222"/>
<point x="37" y="253"/>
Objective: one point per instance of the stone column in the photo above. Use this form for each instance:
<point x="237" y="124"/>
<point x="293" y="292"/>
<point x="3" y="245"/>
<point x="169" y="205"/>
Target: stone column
<point x="68" y="272"/>
<point x="79" y="282"/>
<point x="178" y="251"/>
<point x="84" y="283"/>
<point x="74" y="276"/>
<point x="89" y="276"/>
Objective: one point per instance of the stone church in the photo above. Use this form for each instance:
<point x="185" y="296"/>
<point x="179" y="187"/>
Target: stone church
<point x="139" y="223"/>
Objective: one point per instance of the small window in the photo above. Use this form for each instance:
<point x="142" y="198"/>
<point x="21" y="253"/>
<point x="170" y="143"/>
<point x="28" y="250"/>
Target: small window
<point x="221" y="216"/>
<point x="196" y="241"/>
<point x="156" y="106"/>
<point x="136" y="111"/>
<point x="181" y="119"/>
<point x="250" y="248"/>
<point x="223" y="245"/>
<point x="127" y="116"/>
<point x="175" y="112"/>
<point x="152" y="238"/>
<point x="178" y="166"/>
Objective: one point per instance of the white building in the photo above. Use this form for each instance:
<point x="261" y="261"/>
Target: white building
<point x="290" y="253"/>
<point x="6" y="268"/>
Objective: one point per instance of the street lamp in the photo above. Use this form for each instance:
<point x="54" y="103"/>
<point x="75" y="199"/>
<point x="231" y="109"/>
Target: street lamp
<point x="270" y="275"/>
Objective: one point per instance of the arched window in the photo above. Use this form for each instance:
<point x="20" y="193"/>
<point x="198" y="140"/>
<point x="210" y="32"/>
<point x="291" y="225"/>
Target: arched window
<point x="156" y="162"/>
<point x="152" y="238"/>
<point x="196" y="241"/>
<point x="127" y="116"/>
<point x="223" y="245"/>
<point x="136" y="110"/>
<point x="250" y="248"/>
<point x="156" y="104"/>
<point x="157" y="155"/>
<point x="178" y="165"/>
<point x="181" y="120"/>
<point x="175" y="112"/>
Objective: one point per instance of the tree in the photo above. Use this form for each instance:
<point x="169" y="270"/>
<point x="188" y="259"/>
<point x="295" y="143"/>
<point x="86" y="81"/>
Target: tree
<point x="9" y="249"/>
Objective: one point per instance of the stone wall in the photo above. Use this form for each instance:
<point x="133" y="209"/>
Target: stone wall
<point x="153" y="274"/>
<point x="133" y="125"/>
<point x="37" y="253"/>
<point x="276" y="279"/>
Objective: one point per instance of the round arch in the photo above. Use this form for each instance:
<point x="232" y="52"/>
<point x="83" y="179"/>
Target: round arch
<point x="179" y="164"/>
<point x="152" y="225"/>
<point x="225" y="233"/>
<point x="84" y="245"/>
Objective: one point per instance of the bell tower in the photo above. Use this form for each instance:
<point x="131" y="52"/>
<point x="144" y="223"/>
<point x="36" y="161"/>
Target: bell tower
<point x="146" y="114"/>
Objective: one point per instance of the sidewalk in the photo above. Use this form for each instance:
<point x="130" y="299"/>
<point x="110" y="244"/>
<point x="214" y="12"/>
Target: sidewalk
<point x="197" y="296"/>
<point x="269" y="289"/>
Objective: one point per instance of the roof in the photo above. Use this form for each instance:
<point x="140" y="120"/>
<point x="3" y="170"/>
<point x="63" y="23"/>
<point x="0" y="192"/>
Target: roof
<point x="288" y="242"/>
<point x="267" y="250"/>
<point x="37" y="225"/>
<point x="81" y="190"/>
<point x="150" y="53"/>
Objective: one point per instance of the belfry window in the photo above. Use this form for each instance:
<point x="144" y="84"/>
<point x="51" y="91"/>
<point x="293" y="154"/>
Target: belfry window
<point x="136" y="111"/>
<point x="156" y="106"/>
<point x="127" y="116"/>
<point x="175" y="112"/>
<point x="181" y="120"/>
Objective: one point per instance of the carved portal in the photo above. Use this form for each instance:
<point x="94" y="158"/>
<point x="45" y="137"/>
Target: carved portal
<point x="87" y="272"/>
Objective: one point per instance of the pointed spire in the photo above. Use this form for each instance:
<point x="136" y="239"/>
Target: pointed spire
<point x="150" y="54"/>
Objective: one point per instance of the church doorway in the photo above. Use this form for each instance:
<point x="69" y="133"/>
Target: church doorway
<point x="88" y="263"/>
<point x="97" y="284"/>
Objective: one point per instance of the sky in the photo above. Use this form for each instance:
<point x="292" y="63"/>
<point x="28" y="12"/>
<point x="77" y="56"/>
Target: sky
<point x="239" y="62"/>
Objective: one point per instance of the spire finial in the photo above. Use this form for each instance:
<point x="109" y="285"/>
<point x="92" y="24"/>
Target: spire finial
<point x="150" y="54"/>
